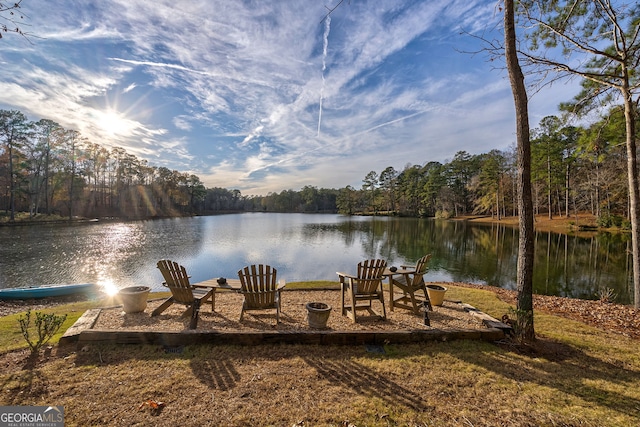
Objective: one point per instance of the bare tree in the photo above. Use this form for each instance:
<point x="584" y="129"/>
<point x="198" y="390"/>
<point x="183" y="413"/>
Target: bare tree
<point x="10" y="17"/>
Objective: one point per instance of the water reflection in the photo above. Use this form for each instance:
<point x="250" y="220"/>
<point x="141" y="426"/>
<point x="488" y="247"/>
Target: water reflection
<point x="307" y="247"/>
<point x="580" y="266"/>
<point x="565" y="265"/>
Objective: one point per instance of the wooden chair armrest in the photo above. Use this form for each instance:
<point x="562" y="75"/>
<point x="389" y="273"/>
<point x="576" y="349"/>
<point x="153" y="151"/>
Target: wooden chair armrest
<point x="401" y="276"/>
<point x="350" y="276"/>
<point x="281" y="285"/>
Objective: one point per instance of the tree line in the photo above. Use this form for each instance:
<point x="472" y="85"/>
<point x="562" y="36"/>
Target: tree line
<point x="573" y="169"/>
<point x="47" y="169"/>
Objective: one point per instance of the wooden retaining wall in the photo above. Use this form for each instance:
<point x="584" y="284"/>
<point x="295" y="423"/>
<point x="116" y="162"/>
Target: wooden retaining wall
<point x="284" y="337"/>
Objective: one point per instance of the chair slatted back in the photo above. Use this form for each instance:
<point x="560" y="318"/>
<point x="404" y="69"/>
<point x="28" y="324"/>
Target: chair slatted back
<point x="258" y="285"/>
<point x="421" y="268"/>
<point x="370" y="276"/>
<point x="177" y="280"/>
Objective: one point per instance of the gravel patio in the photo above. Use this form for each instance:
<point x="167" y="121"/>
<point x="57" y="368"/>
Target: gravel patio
<point x="452" y="320"/>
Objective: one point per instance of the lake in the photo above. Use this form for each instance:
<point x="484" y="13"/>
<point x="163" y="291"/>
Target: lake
<point x="308" y="247"/>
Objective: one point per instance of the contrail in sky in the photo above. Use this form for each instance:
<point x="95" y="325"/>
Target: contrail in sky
<point x="325" y="44"/>
<point x="340" y="140"/>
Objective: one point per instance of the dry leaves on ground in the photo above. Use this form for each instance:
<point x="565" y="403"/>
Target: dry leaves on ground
<point x="618" y="318"/>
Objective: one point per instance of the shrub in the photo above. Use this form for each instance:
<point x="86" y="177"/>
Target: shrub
<point x="45" y="325"/>
<point x="608" y="220"/>
<point x="605" y="220"/>
<point x="443" y="214"/>
<point x="606" y="295"/>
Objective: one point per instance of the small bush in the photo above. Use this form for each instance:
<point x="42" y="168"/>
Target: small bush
<point x="605" y="220"/>
<point x="608" y="220"/>
<point x="45" y="325"/>
<point x="443" y="214"/>
<point x="606" y="295"/>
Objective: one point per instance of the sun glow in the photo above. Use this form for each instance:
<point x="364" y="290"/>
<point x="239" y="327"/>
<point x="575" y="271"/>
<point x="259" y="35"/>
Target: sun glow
<point x="114" y="123"/>
<point x="108" y="287"/>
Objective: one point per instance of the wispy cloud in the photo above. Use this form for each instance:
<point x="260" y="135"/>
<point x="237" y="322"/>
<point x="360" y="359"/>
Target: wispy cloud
<point x="129" y="88"/>
<point x="158" y="64"/>
<point x="263" y="96"/>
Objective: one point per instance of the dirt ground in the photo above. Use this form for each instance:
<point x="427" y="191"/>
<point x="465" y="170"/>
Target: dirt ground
<point x="293" y="317"/>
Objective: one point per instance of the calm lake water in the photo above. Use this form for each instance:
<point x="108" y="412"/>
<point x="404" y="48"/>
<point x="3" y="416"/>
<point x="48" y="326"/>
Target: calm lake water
<point x="307" y="247"/>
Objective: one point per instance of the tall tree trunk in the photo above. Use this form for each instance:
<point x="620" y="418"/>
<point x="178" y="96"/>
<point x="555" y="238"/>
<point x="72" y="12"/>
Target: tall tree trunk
<point x="597" y="206"/>
<point x="47" y="172"/>
<point x="566" y="193"/>
<point x="73" y="176"/>
<point x="549" y="202"/>
<point x="634" y="193"/>
<point x="12" y="186"/>
<point x="524" y="278"/>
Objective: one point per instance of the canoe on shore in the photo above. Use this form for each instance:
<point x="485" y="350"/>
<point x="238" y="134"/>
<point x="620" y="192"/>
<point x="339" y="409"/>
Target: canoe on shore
<point x="46" y="291"/>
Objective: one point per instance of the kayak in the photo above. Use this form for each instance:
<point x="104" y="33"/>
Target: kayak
<point x="45" y="291"/>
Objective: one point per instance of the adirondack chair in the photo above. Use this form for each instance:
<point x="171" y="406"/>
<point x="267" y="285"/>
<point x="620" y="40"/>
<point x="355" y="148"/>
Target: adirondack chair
<point x="260" y="289"/>
<point x="366" y="286"/>
<point x="177" y="280"/>
<point x="414" y="291"/>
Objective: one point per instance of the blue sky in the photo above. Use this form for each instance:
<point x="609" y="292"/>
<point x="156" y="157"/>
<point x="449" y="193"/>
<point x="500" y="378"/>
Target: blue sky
<point x="264" y="96"/>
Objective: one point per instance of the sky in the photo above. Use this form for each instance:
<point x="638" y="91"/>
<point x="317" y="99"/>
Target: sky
<point x="265" y="96"/>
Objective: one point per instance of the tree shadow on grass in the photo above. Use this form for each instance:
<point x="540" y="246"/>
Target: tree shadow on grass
<point x="220" y="374"/>
<point x="363" y="381"/>
<point x="222" y="371"/>
<point x="565" y="368"/>
<point x="550" y="364"/>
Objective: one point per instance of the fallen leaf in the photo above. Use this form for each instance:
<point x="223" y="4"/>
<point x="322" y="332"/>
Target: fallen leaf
<point x="151" y="404"/>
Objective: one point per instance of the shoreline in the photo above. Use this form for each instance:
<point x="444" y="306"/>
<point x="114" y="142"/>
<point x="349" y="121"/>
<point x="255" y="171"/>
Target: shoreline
<point x="582" y="219"/>
<point x="583" y="223"/>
